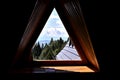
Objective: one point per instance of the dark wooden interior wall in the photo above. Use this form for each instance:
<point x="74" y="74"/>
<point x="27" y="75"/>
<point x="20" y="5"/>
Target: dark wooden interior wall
<point x="15" y="16"/>
<point x="35" y="24"/>
<point x="77" y="28"/>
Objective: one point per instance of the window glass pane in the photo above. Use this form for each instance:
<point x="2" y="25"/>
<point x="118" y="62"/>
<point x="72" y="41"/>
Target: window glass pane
<point x="54" y="43"/>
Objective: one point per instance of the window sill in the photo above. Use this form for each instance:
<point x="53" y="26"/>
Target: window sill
<point x="55" y="69"/>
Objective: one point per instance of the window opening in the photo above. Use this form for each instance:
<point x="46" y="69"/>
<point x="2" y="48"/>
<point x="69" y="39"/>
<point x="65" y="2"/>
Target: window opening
<point x="54" y="43"/>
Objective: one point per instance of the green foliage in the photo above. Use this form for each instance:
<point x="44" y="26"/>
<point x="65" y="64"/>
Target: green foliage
<point x="49" y="51"/>
<point x="36" y="50"/>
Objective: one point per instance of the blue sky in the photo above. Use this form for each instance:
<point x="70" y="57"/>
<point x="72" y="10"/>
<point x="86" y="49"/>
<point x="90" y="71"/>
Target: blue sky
<point x="53" y="28"/>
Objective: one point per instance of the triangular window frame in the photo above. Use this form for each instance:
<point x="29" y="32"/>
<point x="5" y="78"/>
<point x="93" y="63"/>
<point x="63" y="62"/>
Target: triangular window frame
<point x="76" y="30"/>
<point x="54" y="29"/>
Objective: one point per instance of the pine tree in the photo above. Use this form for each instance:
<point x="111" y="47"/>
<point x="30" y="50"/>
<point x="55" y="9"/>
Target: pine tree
<point x="51" y="41"/>
<point x="36" y="50"/>
<point x="49" y="51"/>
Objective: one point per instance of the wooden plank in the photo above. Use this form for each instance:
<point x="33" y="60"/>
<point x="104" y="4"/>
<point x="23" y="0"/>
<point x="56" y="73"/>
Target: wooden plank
<point x="61" y="56"/>
<point x="71" y="68"/>
<point x="68" y="53"/>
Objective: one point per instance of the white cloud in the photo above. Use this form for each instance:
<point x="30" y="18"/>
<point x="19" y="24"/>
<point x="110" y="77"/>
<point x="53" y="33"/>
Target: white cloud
<point x="53" y="28"/>
<point x="59" y="22"/>
<point x="54" y="16"/>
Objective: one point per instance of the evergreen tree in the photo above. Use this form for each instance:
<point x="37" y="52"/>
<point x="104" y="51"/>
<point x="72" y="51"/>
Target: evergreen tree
<point x="49" y="51"/>
<point x="36" y="50"/>
<point x="51" y="40"/>
<point x="42" y="46"/>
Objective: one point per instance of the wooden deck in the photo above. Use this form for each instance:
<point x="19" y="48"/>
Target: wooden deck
<point x="68" y="53"/>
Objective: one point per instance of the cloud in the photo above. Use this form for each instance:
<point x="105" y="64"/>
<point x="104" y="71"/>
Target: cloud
<point x="54" y="17"/>
<point x="59" y="22"/>
<point x="54" y="20"/>
<point x="53" y="28"/>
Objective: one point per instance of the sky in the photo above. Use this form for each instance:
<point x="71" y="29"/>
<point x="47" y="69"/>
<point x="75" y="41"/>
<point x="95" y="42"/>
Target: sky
<point x="53" y="28"/>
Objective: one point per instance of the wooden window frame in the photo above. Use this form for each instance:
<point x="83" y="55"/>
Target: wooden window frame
<point x="74" y="24"/>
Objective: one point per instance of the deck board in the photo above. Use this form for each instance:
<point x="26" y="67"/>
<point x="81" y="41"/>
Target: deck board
<point x="68" y="53"/>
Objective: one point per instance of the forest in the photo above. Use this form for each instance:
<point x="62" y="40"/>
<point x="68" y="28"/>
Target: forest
<point x="48" y="51"/>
